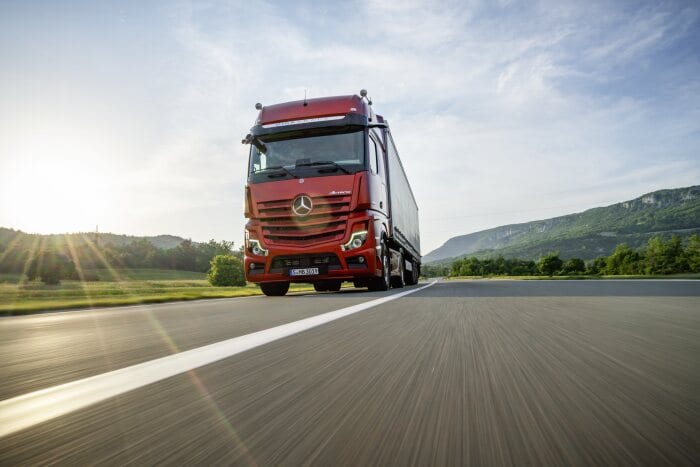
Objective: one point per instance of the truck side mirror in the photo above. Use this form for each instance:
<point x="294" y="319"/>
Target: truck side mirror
<point x="250" y="139"/>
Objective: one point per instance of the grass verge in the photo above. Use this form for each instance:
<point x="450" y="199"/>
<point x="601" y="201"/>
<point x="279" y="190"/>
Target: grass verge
<point x="32" y="297"/>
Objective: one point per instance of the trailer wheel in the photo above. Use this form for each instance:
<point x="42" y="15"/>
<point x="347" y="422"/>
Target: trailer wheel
<point x="398" y="282"/>
<point x="378" y="284"/>
<point x="274" y="289"/>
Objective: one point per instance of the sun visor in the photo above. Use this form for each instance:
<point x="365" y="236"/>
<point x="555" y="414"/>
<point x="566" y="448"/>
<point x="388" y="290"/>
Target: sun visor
<point x="339" y="122"/>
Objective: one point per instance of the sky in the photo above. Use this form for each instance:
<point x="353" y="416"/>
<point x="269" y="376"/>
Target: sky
<point x="128" y="115"/>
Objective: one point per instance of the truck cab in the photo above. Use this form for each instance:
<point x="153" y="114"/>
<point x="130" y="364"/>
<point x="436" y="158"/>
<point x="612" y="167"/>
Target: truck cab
<point x="318" y="199"/>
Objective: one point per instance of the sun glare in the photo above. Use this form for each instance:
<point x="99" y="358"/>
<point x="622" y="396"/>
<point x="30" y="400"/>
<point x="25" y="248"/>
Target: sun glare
<point x="53" y="185"/>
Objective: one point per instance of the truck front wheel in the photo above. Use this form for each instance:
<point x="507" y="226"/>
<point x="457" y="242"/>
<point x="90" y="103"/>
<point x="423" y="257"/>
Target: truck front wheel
<point x="327" y="286"/>
<point x="274" y="289"/>
<point x="378" y="284"/>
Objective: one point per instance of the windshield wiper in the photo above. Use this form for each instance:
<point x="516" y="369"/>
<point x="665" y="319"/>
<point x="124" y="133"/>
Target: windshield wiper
<point x="276" y="167"/>
<point x="335" y="164"/>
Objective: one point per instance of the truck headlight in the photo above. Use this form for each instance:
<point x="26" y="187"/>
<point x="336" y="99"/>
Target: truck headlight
<point x="256" y="248"/>
<point x="357" y="239"/>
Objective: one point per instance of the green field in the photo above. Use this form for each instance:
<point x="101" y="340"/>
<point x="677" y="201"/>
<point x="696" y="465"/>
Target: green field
<point x="117" y="275"/>
<point x="9" y="277"/>
<point x="147" y="274"/>
<point x="134" y="287"/>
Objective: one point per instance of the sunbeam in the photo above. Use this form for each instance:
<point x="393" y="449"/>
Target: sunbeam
<point x="201" y="388"/>
<point x="12" y="245"/>
<point x="41" y="257"/>
<point x="30" y="256"/>
<point x="112" y="272"/>
<point x="78" y="268"/>
<point x="155" y="323"/>
<point x="214" y="407"/>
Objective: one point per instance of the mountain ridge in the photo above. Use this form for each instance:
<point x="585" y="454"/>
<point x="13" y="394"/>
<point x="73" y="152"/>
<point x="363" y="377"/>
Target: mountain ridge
<point x="163" y="241"/>
<point x="587" y="234"/>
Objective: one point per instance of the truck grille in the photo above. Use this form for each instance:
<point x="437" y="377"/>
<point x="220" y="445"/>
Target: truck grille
<point x="326" y="222"/>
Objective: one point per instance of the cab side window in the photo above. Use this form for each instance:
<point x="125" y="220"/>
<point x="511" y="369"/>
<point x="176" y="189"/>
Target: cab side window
<point x="373" y="155"/>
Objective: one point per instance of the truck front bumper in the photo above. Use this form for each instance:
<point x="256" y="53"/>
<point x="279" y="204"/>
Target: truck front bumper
<point x="332" y="263"/>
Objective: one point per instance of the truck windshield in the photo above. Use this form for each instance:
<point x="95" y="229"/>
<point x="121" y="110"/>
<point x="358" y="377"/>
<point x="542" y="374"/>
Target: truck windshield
<point x="307" y="156"/>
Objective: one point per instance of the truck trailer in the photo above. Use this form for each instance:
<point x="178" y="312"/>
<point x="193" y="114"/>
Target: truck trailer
<point x="327" y="199"/>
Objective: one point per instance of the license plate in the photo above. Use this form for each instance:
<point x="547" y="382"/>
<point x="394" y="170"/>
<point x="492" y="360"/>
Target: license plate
<point x="304" y="272"/>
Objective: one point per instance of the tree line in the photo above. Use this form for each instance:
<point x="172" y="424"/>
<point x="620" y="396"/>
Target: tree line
<point x="65" y="259"/>
<point x="658" y="257"/>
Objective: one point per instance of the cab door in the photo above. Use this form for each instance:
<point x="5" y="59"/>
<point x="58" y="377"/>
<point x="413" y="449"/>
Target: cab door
<point x="378" y="181"/>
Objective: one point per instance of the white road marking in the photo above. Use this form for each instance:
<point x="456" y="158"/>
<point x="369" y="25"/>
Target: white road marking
<point x="36" y="407"/>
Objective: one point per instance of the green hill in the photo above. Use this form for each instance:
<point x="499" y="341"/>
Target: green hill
<point x="586" y="235"/>
<point x="165" y="242"/>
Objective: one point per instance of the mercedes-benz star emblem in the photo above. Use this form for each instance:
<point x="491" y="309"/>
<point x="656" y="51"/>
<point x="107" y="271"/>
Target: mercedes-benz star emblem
<point x="302" y="205"/>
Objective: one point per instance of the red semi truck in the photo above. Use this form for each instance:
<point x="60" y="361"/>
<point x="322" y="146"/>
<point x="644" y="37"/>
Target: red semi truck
<point x="327" y="199"/>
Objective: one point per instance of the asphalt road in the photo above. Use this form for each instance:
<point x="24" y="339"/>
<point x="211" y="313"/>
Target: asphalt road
<point x="472" y="372"/>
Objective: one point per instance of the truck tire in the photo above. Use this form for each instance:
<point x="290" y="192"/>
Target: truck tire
<point x="320" y="287"/>
<point x="360" y="283"/>
<point x="378" y="284"/>
<point x="274" y="289"/>
<point x="398" y="282"/>
<point x="412" y="277"/>
<point x="333" y="286"/>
